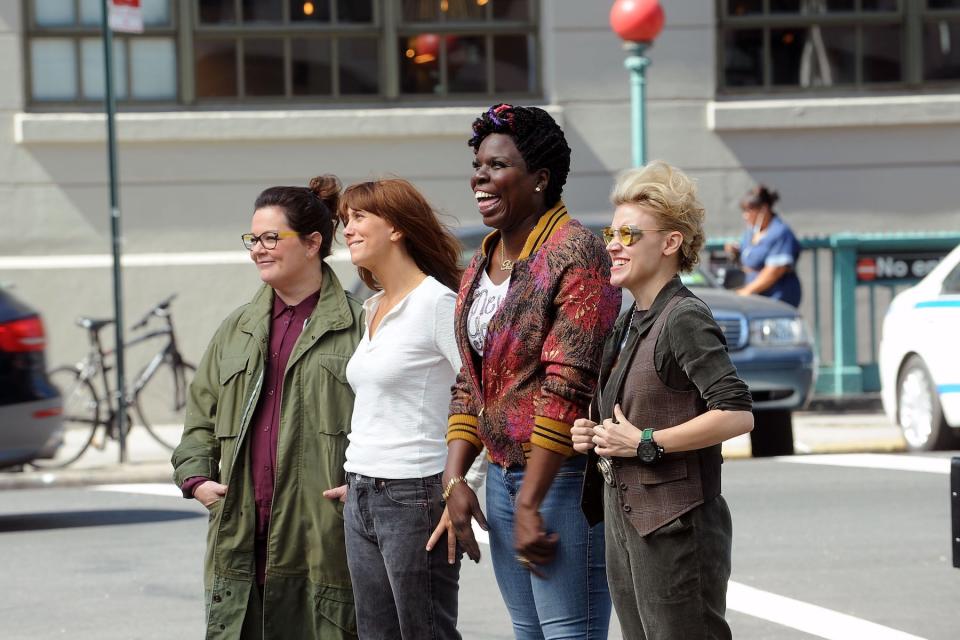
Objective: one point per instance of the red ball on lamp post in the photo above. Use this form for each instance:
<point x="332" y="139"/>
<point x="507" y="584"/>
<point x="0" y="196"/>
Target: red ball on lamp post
<point x="638" y="23"/>
<point x="637" y="20"/>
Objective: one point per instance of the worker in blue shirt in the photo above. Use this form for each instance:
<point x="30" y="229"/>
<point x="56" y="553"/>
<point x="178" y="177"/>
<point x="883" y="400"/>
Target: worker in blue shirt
<point x="768" y="250"/>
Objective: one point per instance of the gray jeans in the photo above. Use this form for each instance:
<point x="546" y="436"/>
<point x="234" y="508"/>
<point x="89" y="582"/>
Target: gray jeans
<point x="672" y="584"/>
<point x="400" y="589"/>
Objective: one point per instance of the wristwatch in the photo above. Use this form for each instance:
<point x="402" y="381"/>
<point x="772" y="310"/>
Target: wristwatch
<point x="648" y="451"/>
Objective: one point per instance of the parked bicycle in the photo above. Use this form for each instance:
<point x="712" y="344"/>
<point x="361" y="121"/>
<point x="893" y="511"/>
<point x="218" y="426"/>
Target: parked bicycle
<point x="157" y="395"/>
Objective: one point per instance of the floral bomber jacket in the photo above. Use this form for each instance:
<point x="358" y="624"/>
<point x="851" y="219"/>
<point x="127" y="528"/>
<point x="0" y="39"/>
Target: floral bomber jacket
<point x="543" y="346"/>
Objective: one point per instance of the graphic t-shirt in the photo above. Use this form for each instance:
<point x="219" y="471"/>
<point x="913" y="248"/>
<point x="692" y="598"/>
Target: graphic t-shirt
<point x="486" y="301"/>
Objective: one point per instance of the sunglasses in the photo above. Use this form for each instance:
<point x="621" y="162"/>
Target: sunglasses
<point x="627" y="234"/>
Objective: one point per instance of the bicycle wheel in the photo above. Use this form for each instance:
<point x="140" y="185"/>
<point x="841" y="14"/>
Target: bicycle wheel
<point x="81" y="417"/>
<point x="163" y="398"/>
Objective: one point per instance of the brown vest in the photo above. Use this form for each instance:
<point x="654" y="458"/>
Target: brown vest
<point x="653" y="495"/>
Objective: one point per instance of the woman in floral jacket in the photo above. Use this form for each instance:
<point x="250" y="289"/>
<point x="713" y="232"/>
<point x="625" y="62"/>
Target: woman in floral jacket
<point x="534" y="307"/>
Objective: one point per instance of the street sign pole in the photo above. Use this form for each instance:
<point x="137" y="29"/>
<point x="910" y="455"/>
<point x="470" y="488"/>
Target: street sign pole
<point x="110" y="107"/>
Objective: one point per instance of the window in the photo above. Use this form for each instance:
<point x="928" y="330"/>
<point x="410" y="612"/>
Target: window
<point x="233" y="52"/>
<point x="819" y="45"/>
<point x="65" y="54"/>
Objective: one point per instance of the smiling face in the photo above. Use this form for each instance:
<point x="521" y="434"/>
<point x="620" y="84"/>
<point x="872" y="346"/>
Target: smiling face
<point x="505" y="190"/>
<point x="293" y="260"/>
<point x="369" y="238"/>
<point x="636" y="265"/>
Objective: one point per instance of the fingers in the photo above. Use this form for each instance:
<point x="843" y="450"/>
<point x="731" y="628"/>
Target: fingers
<point x="469" y="543"/>
<point x="437" y="533"/>
<point x="337" y="493"/>
<point x="618" y="413"/>
<point x="478" y="515"/>
<point x="451" y="545"/>
<point x="583" y="423"/>
<point x="582" y="435"/>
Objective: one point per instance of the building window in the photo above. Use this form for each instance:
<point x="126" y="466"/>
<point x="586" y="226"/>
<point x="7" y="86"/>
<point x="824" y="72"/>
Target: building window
<point x="822" y="45"/>
<point x="65" y="54"/>
<point x="231" y="52"/>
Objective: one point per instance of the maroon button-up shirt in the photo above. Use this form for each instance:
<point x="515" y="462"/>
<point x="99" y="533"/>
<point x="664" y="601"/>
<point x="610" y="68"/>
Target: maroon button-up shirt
<point x="286" y="324"/>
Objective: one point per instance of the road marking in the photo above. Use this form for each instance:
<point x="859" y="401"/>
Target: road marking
<point x="104" y="260"/>
<point x="809" y="618"/>
<point x="154" y="489"/>
<point x="875" y="461"/>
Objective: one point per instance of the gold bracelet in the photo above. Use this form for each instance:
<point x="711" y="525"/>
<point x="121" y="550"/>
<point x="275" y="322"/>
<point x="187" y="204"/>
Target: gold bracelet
<point x="451" y="483"/>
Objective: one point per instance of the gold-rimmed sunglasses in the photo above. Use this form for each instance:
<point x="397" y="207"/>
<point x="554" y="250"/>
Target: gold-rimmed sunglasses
<point x="267" y="240"/>
<point x="628" y="234"/>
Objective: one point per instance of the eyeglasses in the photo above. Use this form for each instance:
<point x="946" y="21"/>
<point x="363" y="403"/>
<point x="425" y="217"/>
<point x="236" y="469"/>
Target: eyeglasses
<point x="627" y="234"/>
<point x="267" y="240"/>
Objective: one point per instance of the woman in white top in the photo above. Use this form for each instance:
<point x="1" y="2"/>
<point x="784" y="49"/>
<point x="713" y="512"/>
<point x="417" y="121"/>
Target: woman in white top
<point x="401" y="374"/>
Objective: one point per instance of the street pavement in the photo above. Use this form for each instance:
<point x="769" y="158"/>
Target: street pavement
<point x="838" y="546"/>
<point x="148" y="461"/>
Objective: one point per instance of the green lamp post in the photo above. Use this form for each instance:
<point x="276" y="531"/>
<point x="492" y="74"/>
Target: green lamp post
<point x="638" y="23"/>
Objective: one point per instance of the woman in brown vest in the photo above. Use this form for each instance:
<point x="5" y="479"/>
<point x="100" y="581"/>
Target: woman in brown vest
<point x="668" y="396"/>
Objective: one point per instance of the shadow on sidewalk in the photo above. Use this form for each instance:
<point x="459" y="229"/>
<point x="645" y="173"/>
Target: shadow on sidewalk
<point x="10" y="523"/>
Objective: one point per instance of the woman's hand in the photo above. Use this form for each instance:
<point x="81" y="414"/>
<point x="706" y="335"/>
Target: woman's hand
<point x="534" y="546"/>
<point x="582" y="434"/>
<point x="337" y="493"/>
<point x="445" y="527"/>
<point x="462" y="508"/>
<point x="616" y="437"/>
<point x="209" y="493"/>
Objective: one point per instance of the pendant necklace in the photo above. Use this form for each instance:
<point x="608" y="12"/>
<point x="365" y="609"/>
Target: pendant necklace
<point x="505" y="265"/>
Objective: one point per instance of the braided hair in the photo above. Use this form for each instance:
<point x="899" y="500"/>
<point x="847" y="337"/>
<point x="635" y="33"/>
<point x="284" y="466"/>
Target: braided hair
<point x="538" y="137"/>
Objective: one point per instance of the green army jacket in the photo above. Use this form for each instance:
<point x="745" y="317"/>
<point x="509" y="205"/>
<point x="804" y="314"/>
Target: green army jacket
<point x="307" y="593"/>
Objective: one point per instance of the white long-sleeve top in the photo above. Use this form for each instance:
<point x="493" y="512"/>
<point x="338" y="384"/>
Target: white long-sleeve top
<point x="402" y="379"/>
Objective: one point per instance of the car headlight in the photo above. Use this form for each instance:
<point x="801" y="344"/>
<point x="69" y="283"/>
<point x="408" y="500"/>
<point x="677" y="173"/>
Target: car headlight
<point x="778" y="332"/>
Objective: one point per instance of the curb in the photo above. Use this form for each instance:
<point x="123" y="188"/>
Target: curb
<point x="63" y="478"/>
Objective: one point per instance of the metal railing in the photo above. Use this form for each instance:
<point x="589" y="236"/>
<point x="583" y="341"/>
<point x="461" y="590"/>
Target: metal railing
<point x="848" y="282"/>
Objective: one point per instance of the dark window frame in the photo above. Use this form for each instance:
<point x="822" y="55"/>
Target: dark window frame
<point x="911" y="16"/>
<point x="387" y="27"/>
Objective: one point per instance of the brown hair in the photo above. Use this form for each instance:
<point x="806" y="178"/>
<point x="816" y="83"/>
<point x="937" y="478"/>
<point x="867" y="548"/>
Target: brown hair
<point x="307" y="209"/>
<point x="434" y="249"/>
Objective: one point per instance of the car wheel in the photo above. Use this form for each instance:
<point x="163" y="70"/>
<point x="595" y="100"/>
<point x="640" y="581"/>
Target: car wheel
<point x="918" y="409"/>
<point x="772" y="433"/>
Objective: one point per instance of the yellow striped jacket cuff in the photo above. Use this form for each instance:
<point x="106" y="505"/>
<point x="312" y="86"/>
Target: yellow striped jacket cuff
<point x="461" y="426"/>
<point x="552" y="435"/>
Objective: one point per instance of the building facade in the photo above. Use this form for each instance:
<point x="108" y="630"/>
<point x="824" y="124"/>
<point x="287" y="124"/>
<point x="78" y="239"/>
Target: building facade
<point x="850" y="108"/>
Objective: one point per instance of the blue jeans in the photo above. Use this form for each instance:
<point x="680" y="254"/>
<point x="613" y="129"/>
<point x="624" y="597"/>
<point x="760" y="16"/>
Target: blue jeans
<point x="400" y="589"/>
<point x="571" y="600"/>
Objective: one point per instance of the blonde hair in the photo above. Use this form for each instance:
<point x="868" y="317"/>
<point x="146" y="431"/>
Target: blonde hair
<point x="670" y="196"/>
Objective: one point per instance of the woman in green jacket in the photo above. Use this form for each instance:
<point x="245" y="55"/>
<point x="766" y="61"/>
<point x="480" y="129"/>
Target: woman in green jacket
<point x="266" y="430"/>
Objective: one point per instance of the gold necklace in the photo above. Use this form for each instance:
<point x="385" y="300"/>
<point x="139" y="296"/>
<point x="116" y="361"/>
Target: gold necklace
<point x="505" y="265"/>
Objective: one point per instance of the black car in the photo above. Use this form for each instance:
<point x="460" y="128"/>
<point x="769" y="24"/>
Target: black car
<point x="31" y="424"/>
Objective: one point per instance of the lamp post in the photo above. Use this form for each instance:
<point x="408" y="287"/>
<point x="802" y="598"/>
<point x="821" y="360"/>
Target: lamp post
<point x="638" y="23"/>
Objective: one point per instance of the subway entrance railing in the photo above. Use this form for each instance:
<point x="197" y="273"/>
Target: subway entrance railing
<point x="848" y="282"/>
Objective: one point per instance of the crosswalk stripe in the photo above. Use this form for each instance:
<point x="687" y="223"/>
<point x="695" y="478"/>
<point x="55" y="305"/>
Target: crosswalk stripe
<point x="806" y="617"/>
<point x="875" y="461"/>
<point x="802" y="616"/>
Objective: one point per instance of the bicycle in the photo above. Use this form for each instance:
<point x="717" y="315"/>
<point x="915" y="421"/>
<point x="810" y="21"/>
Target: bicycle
<point x="161" y="386"/>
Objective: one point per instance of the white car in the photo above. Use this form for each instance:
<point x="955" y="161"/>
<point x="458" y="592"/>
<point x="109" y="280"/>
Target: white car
<point x="920" y="359"/>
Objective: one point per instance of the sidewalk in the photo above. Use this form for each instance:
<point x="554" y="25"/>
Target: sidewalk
<point x="150" y="462"/>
